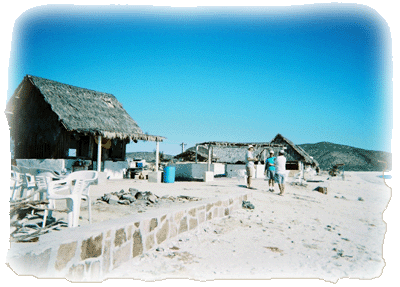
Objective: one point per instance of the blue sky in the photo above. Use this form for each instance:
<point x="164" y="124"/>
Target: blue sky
<point x="312" y="73"/>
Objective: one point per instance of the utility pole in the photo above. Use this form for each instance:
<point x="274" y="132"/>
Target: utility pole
<point x="183" y="147"/>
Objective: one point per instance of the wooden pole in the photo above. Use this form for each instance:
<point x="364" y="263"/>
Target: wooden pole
<point x="157" y="154"/>
<point x="99" y="153"/>
<point x="197" y="148"/>
<point x="183" y="147"/>
<point x="209" y="158"/>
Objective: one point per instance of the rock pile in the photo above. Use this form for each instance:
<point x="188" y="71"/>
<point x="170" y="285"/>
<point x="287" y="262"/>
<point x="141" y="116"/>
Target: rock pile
<point x="134" y="196"/>
<point x="128" y="197"/>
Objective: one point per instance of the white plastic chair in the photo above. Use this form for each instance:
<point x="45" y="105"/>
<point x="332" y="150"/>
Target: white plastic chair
<point x="22" y="181"/>
<point x="73" y="188"/>
<point x="16" y="184"/>
<point x="90" y="177"/>
<point x="63" y="190"/>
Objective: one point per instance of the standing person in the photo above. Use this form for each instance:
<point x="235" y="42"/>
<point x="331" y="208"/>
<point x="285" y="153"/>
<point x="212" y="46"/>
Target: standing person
<point x="249" y="164"/>
<point x="270" y="170"/>
<point x="280" y="164"/>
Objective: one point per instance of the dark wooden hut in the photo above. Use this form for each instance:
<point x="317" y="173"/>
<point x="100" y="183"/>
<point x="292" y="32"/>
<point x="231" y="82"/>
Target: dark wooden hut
<point x="51" y="120"/>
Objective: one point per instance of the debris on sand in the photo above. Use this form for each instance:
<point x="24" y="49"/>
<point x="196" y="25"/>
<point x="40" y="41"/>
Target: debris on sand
<point x="247" y="205"/>
<point x="295" y="183"/>
<point x="26" y="224"/>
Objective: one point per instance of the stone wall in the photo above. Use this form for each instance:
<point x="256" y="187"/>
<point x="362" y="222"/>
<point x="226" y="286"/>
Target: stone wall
<point x="88" y="253"/>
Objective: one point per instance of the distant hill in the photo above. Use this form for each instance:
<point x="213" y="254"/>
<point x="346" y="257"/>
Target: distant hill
<point x="355" y="159"/>
<point x="149" y="156"/>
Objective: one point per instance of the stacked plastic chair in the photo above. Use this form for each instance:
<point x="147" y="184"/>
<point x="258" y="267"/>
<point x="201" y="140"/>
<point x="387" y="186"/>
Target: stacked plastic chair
<point x="72" y="188"/>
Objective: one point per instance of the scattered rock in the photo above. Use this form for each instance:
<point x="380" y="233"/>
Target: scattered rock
<point x="247" y="205"/>
<point x="128" y="197"/>
<point x="273" y="249"/>
<point x="152" y="198"/>
<point x="140" y="197"/>
<point x="133" y="191"/>
<point x="106" y="197"/>
<point x="124" y="202"/>
<point x="186" y="197"/>
<point x="298" y="184"/>
<point x="113" y="199"/>
<point x="360" y="199"/>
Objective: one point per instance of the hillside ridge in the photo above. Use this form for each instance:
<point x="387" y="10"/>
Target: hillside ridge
<point x="328" y="154"/>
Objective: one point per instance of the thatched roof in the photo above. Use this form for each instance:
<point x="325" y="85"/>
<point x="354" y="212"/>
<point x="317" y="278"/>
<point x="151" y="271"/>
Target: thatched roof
<point x="279" y="139"/>
<point x="231" y="152"/>
<point x="225" y="152"/>
<point x="190" y="154"/>
<point x="83" y="110"/>
<point x="240" y="145"/>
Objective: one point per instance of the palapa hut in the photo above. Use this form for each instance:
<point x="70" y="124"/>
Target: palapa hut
<point x="225" y="152"/>
<point x="294" y="154"/>
<point x="223" y="159"/>
<point x="233" y="154"/>
<point x="190" y="154"/>
<point x="51" y="120"/>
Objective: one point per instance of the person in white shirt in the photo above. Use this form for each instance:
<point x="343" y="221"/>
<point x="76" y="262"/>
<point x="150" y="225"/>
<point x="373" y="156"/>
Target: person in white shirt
<point x="249" y="164"/>
<point x="280" y="172"/>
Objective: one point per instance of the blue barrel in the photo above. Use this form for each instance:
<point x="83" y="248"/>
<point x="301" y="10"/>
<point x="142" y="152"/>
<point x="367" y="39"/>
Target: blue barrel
<point x="169" y="174"/>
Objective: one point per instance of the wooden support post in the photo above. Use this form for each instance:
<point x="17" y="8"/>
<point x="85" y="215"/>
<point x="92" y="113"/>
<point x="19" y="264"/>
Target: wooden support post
<point x="197" y="148"/>
<point x="99" y="153"/>
<point x="157" y="155"/>
<point x="209" y="158"/>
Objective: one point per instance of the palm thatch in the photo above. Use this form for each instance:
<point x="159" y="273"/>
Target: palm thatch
<point x="82" y="110"/>
<point x="225" y="152"/>
<point x="240" y="145"/>
<point x="294" y="152"/>
<point x="190" y="154"/>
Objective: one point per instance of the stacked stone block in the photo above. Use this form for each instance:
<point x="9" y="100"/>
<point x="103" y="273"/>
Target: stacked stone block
<point x="88" y="253"/>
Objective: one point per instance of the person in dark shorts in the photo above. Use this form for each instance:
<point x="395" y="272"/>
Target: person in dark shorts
<point x="270" y="170"/>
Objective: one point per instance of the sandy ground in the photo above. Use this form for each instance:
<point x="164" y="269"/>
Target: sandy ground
<point x="102" y="211"/>
<point x="303" y="234"/>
